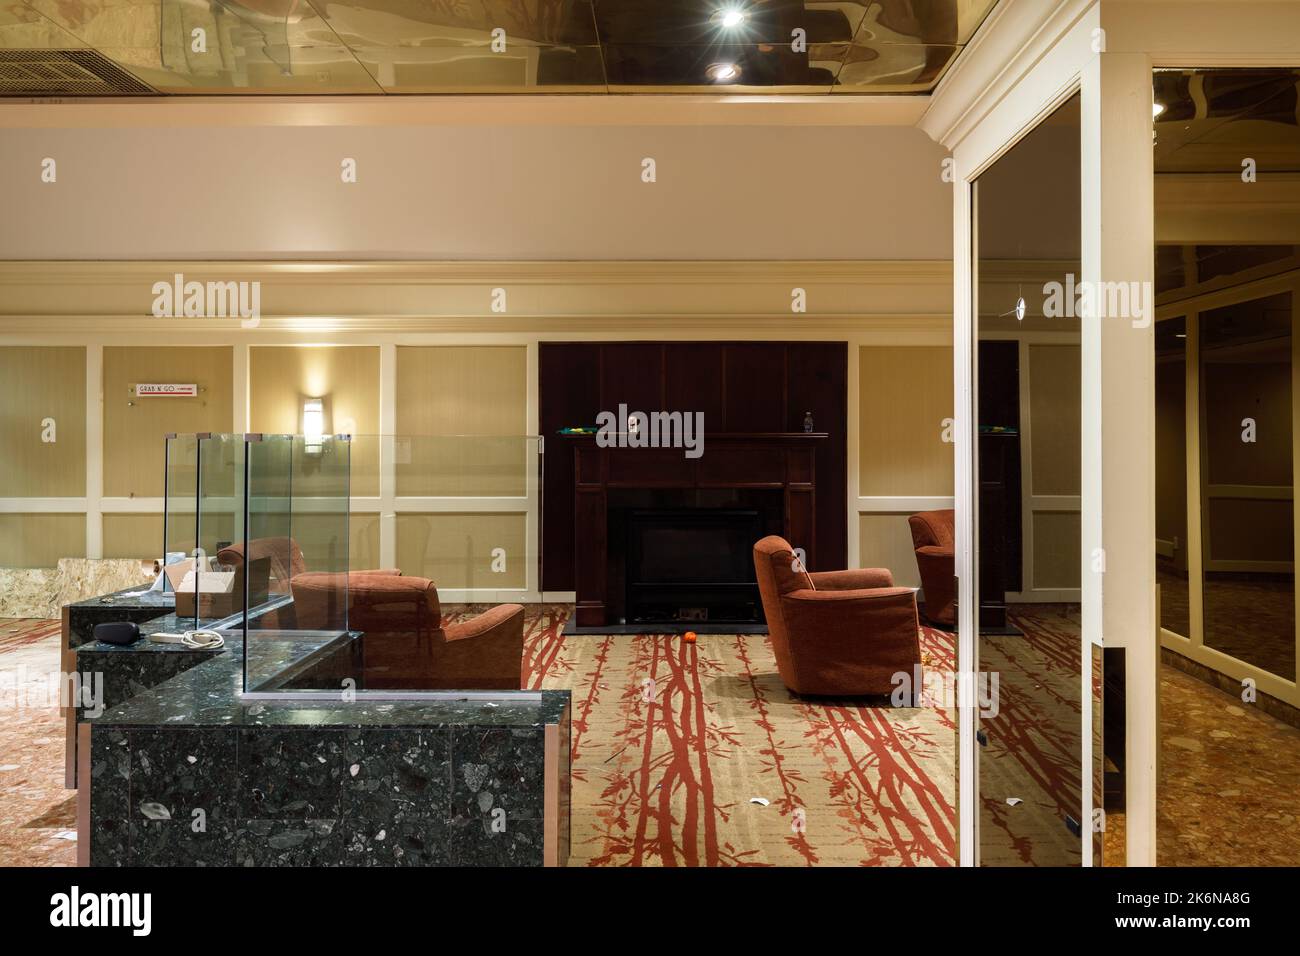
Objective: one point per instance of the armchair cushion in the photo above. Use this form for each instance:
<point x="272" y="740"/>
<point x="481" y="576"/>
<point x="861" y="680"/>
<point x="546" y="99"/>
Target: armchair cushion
<point x="853" y="579"/>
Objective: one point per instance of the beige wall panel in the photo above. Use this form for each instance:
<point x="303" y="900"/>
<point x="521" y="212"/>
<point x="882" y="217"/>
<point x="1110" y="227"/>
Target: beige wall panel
<point x="363" y="541"/>
<point x="133" y="536"/>
<point x="38" y="383"/>
<point x="1054" y="419"/>
<point x="455" y="550"/>
<point x="904" y="394"/>
<point x="1233" y="392"/>
<point x="39" y="540"/>
<point x="1057" y="543"/>
<point x="462" y="391"/>
<point x="134" y="427"/>
<point x="885" y="541"/>
<point x="1243" y="529"/>
<point x="280" y="377"/>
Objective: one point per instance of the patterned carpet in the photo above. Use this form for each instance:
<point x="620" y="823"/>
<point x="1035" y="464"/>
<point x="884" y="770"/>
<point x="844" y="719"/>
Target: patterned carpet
<point x="671" y="742"/>
<point x="38" y="818"/>
<point x="1034" y="743"/>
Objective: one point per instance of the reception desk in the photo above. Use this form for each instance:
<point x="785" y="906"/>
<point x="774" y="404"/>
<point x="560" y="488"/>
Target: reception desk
<point x="180" y="768"/>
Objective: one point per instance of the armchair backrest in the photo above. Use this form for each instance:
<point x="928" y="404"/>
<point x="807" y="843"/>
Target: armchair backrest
<point x="932" y="528"/>
<point x="286" y="557"/>
<point x="774" y="562"/>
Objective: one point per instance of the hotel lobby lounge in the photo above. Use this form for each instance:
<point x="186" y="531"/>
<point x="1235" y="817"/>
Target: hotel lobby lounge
<point x="608" y="434"/>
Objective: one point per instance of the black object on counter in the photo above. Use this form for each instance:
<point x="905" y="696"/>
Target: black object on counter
<point x="117" y="632"/>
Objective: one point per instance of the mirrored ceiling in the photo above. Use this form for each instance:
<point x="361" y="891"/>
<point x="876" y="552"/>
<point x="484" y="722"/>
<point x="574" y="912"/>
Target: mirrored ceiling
<point x="1208" y="121"/>
<point x="289" y="47"/>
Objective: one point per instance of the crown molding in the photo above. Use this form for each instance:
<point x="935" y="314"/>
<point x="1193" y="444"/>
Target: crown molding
<point x="541" y="109"/>
<point x="304" y="297"/>
<point x="1012" y="39"/>
<point x="533" y="272"/>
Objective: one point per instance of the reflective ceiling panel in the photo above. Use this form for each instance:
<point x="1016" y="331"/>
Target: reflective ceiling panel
<point x="1211" y="120"/>
<point x="508" y="46"/>
<point x="22" y="28"/>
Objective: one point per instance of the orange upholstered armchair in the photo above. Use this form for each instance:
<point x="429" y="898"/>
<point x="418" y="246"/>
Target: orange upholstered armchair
<point x="836" y="633"/>
<point x="932" y="536"/>
<point x="405" y="643"/>
<point x="286" y="563"/>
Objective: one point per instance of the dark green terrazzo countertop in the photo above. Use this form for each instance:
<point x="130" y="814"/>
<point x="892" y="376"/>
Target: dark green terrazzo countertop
<point x="208" y="695"/>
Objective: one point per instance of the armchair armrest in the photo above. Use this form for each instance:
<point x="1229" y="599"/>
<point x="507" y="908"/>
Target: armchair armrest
<point x="854" y="579"/>
<point x="486" y="652"/>
<point x="499" y="618"/>
<point x="861" y="637"/>
<point x="934" y="551"/>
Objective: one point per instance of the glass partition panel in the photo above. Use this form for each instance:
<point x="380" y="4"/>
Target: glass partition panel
<point x="1033" y="663"/>
<point x="181" y="518"/>
<point x="1247" y="536"/>
<point x="294" y="560"/>
<point x="180" y="506"/>
<point x="436" y="591"/>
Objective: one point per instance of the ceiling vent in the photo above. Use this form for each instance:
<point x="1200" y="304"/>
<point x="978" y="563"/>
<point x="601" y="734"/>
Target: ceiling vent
<point x="65" y="73"/>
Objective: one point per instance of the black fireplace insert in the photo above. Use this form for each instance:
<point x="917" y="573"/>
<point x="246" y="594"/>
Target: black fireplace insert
<point x="688" y="565"/>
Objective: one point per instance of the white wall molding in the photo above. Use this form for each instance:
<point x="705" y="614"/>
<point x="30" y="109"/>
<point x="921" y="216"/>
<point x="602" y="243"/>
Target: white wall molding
<point x="901" y="504"/>
<point x="609" y="299"/>
<point x="559" y="110"/>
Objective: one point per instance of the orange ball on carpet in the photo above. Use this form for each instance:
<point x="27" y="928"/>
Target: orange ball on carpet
<point x="690" y="637"/>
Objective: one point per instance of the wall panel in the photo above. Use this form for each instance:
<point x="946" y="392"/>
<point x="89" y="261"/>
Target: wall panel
<point x="885" y="541"/>
<point x="36" y="383"/>
<point x="1054" y="396"/>
<point x="133" y="536"/>
<point x="1056" y="557"/>
<point x="904" y="394"/>
<point x="39" y="540"/>
<point x="462" y="391"/>
<point x="134" y="428"/>
<point x="346" y="377"/>
<point x="455" y="550"/>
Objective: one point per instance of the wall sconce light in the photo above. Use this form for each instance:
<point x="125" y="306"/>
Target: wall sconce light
<point x="313" y="425"/>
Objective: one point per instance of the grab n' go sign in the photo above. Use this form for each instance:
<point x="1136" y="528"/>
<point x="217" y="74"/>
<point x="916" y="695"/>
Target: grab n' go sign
<point x="166" y="391"/>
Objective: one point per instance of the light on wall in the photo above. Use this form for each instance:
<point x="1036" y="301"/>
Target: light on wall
<point x="313" y="425"/>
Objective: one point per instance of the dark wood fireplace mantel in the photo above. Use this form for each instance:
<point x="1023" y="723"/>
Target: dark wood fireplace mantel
<point x="776" y="461"/>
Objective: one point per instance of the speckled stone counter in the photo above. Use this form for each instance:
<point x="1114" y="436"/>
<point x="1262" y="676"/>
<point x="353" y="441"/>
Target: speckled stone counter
<point x="185" y="772"/>
<point x="115" y="673"/>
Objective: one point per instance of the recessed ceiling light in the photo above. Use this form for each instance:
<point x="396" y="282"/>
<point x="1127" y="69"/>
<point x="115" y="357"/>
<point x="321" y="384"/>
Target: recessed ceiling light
<point x="730" y="18"/>
<point x="722" y="72"/>
<point x="1157" y="109"/>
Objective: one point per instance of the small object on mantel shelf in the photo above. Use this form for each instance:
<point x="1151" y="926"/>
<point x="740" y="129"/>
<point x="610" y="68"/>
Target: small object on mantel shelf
<point x="689" y="637"/>
<point x="808" y="423"/>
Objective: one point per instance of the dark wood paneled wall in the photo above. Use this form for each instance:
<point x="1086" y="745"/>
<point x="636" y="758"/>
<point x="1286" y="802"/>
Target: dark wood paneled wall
<point x="739" y="386"/>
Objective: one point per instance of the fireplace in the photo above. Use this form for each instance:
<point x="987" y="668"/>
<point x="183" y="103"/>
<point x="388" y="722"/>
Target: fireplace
<point x="692" y="565"/>
<point x="772" y="475"/>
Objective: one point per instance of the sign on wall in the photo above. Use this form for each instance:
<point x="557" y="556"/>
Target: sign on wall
<point x="166" y="391"/>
